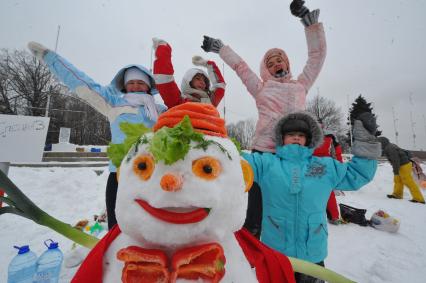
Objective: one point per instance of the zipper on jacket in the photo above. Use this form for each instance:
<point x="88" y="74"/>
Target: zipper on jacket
<point x="296" y="226"/>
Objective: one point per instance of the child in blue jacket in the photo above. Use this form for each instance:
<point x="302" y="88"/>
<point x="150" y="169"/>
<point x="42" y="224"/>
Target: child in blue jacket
<point x="296" y="185"/>
<point x="128" y="98"/>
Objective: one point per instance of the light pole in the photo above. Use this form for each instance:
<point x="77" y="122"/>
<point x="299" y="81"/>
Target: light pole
<point x="394" y="125"/>
<point x="46" y="114"/>
<point x="411" y="120"/>
<point x="224" y="102"/>
<point x="349" y="121"/>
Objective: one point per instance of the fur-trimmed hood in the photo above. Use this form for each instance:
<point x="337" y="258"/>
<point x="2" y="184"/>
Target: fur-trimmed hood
<point x="186" y="88"/>
<point x="118" y="80"/>
<point x="264" y="73"/>
<point x="317" y="135"/>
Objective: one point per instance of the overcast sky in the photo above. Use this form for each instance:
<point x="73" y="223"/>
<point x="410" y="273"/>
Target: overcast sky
<point x="375" y="48"/>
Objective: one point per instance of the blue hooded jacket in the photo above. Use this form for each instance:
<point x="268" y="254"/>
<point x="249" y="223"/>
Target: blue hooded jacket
<point x="108" y="100"/>
<point x="295" y="189"/>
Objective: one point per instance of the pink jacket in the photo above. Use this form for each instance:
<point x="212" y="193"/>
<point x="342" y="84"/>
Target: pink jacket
<point x="276" y="97"/>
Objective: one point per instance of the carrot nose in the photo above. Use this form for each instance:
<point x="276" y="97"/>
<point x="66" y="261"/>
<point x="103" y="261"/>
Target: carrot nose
<point x="171" y="182"/>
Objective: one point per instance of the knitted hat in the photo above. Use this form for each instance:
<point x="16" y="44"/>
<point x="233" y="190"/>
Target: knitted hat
<point x="134" y="73"/>
<point x="204" y="118"/>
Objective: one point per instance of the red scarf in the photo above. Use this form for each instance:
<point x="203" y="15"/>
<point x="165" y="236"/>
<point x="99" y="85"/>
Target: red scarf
<point x="271" y="266"/>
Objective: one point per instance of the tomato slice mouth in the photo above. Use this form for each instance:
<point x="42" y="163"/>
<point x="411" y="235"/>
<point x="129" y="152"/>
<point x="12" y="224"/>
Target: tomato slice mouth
<point x="193" y="216"/>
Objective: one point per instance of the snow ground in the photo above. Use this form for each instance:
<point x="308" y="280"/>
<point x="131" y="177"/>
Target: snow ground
<point x="361" y="253"/>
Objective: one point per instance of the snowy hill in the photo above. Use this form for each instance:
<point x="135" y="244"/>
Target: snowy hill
<point x="361" y="253"/>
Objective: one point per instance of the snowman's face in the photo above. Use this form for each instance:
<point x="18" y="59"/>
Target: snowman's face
<point x="200" y="198"/>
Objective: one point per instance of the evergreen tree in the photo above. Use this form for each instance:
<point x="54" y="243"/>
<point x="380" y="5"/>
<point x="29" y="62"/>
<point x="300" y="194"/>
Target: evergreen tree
<point x="360" y="106"/>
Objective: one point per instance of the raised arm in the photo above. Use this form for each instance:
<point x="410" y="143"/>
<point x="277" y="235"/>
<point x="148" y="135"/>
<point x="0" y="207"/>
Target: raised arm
<point x="366" y="149"/>
<point x="392" y="153"/>
<point x="315" y="38"/>
<point x="102" y="98"/>
<point x="256" y="162"/>
<point x="233" y="60"/>
<point x="216" y="79"/>
<point x="163" y="74"/>
<point x="68" y="74"/>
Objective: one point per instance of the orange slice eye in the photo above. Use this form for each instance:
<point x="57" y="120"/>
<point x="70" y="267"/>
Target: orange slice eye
<point x="143" y="166"/>
<point x="207" y="168"/>
<point x="247" y="174"/>
<point x="118" y="174"/>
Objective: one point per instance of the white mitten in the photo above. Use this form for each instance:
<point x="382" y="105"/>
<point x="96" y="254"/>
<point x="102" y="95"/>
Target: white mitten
<point x="157" y="41"/>
<point x="199" y="61"/>
<point x="365" y="143"/>
<point x="37" y="50"/>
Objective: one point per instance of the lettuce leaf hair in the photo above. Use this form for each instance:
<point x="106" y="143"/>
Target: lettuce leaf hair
<point x="167" y="144"/>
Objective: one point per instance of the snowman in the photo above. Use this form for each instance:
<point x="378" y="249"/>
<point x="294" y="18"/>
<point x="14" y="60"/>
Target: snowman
<point x="182" y="195"/>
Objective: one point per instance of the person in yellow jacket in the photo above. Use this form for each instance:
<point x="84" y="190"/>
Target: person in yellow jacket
<point x="402" y="168"/>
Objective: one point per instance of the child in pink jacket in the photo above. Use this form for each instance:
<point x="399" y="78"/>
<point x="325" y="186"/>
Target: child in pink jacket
<point x="276" y="92"/>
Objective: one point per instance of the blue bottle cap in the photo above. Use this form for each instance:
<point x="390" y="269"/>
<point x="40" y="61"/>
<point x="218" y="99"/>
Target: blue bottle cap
<point x="52" y="245"/>
<point x="23" y="249"/>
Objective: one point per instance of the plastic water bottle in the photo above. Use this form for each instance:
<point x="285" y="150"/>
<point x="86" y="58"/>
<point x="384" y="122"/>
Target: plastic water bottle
<point x="49" y="264"/>
<point x="23" y="266"/>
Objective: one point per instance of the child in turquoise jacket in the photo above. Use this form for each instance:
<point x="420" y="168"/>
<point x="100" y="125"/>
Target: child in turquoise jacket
<point x="296" y="185"/>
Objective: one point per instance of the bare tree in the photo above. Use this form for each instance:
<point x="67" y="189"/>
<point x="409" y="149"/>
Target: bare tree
<point x="87" y="125"/>
<point x="331" y="117"/>
<point x="8" y="99"/>
<point x="27" y="83"/>
<point x="326" y="111"/>
<point x="243" y="132"/>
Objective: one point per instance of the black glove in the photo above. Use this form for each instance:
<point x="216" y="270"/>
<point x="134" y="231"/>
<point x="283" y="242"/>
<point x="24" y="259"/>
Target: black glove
<point x="211" y="44"/>
<point x="298" y="9"/>
<point x="368" y="121"/>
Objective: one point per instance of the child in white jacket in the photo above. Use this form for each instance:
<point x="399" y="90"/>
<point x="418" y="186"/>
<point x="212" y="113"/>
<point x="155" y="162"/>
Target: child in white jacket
<point x="196" y="86"/>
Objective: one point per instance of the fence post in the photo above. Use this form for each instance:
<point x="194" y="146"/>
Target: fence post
<point x="4" y="167"/>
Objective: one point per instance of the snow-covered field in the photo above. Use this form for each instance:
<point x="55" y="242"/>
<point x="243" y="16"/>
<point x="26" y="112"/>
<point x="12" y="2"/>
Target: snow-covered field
<point x="361" y="253"/>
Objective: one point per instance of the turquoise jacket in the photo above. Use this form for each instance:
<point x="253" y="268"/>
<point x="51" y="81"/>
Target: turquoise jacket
<point x="295" y="189"/>
<point x="108" y="100"/>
